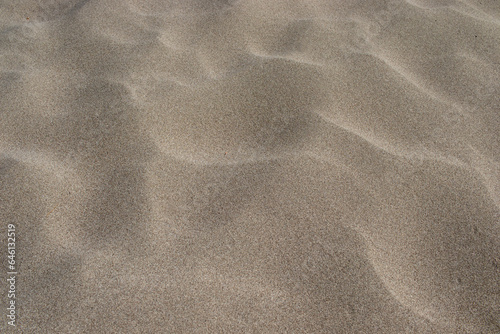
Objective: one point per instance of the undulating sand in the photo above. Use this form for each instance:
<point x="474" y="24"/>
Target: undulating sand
<point x="251" y="166"/>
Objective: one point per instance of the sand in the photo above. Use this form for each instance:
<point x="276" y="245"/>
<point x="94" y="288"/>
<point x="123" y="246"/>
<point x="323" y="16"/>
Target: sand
<point x="251" y="166"/>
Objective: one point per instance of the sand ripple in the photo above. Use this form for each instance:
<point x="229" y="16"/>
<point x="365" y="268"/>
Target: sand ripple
<point x="253" y="166"/>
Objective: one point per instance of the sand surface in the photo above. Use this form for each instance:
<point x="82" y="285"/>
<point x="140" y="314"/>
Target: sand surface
<point x="251" y="166"/>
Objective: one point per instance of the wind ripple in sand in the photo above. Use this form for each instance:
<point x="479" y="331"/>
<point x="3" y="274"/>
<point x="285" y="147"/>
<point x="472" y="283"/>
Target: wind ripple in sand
<point x="225" y="166"/>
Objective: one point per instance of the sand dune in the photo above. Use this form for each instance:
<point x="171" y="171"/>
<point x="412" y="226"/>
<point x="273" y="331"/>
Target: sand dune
<point x="251" y="166"/>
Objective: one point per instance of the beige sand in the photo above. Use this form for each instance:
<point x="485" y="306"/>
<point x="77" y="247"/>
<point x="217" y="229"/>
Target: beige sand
<point x="251" y="166"/>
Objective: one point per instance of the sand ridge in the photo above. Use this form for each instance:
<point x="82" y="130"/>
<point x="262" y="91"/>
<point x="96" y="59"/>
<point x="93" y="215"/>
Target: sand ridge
<point x="252" y="166"/>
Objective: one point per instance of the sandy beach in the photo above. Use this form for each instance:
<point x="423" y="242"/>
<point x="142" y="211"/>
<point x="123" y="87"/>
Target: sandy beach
<point x="250" y="166"/>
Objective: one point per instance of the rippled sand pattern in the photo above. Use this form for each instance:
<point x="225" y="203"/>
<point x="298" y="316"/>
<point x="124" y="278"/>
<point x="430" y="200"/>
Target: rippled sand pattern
<point x="251" y="166"/>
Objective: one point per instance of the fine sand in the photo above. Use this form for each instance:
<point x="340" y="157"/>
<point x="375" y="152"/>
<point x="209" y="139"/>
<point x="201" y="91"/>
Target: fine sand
<point x="251" y="166"/>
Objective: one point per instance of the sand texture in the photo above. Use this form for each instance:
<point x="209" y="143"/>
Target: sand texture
<point x="251" y="166"/>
